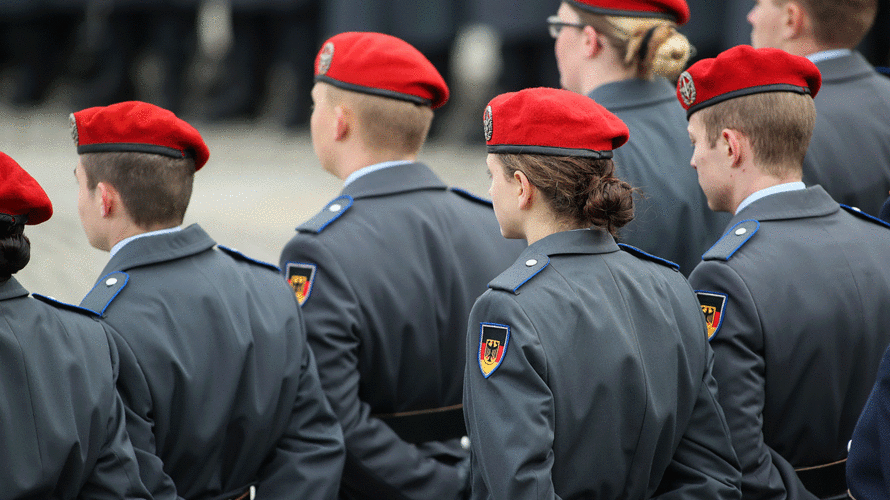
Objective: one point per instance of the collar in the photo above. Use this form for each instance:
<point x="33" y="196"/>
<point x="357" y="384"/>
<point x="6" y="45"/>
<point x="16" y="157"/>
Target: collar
<point x="160" y="248"/>
<point x="633" y="93"/>
<point x="829" y="54"/>
<point x="122" y="243"/>
<point x="400" y="178"/>
<point x="798" y="204"/>
<point x="12" y="289"/>
<point x="578" y="241"/>
<point x="373" y="168"/>
<point x="778" y="188"/>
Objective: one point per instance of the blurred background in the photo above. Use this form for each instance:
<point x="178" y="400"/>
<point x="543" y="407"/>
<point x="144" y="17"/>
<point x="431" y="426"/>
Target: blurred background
<point x="240" y="71"/>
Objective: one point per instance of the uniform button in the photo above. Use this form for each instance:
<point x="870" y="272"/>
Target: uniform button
<point x="530" y="262"/>
<point x="740" y="231"/>
<point x="110" y="281"/>
<point x="465" y="443"/>
<point x="856" y="209"/>
<point x="335" y="207"/>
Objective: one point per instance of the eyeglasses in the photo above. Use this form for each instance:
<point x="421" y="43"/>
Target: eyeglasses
<point x="555" y="24"/>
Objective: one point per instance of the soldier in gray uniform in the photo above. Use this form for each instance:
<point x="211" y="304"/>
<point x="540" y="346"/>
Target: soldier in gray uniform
<point x="62" y="425"/>
<point x="849" y="155"/>
<point x="795" y="291"/>
<point x="221" y="388"/>
<point x="588" y="374"/>
<point x="626" y="56"/>
<point x="387" y="272"/>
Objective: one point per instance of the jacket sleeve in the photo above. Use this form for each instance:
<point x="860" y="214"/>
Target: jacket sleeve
<point x="376" y="458"/>
<point x="509" y="414"/>
<point x="739" y="369"/>
<point x="308" y="460"/>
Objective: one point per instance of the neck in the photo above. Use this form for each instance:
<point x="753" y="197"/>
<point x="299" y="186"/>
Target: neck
<point x="758" y="183"/>
<point x="607" y="67"/>
<point x="351" y="163"/>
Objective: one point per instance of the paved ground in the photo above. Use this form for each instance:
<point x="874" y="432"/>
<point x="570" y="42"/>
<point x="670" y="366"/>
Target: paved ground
<point x="260" y="183"/>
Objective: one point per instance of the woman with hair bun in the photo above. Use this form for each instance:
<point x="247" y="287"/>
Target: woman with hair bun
<point x="588" y="371"/>
<point x="626" y="55"/>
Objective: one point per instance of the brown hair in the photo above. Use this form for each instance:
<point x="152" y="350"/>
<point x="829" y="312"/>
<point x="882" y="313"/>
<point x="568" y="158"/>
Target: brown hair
<point x="579" y="190"/>
<point x="650" y="45"/>
<point x="154" y="189"/>
<point x="387" y="124"/>
<point x="839" y="23"/>
<point x="778" y="124"/>
<point x="15" y="250"/>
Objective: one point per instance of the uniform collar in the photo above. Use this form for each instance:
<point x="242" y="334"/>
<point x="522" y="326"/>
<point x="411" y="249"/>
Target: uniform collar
<point x="12" y="289"/>
<point x="801" y="204"/>
<point x="763" y="193"/>
<point x="828" y="54"/>
<point x="395" y="179"/>
<point x="160" y="248"/>
<point x="122" y="243"/>
<point x="850" y="66"/>
<point x="579" y="241"/>
<point x="633" y="93"/>
<point x="372" y="168"/>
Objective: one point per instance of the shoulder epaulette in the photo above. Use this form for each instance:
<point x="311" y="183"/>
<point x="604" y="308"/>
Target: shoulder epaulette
<point x="862" y="215"/>
<point x="730" y="242"/>
<point x="470" y="196"/>
<point x="104" y="292"/>
<point x="64" y="305"/>
<point x="333" y="210"/>
<point x="240" y="256"/>
<point x="648" y="256"/>
<point x="519" y="273"/>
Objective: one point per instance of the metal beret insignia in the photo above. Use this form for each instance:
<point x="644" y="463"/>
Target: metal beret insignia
<point x="73" y="122"/>
<point x="687" y="88"/>
<point x="487" y="124"/>
<point x="324" y="60"/>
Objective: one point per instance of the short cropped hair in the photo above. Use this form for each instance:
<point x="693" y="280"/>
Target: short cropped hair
<point x="778" y="124"/>
<point x="839" y="23"/>
<point x="155" y="189"/>
<point x="387" y="124"/>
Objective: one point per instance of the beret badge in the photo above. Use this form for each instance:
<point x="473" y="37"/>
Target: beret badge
<point x="325" y="58"/>
<point x="487" y="124"/>
<point x="73" y="122"/>
<point x="687" y="88"/>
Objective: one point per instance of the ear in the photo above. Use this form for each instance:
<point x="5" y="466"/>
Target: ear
<point x="344" y="122"/>
<point x="591" y="41"/>
<point x="525" y="190"/>
<point x="736" y="144"/>
<point x="109" y="199"/>
<point x="795" y="22"/>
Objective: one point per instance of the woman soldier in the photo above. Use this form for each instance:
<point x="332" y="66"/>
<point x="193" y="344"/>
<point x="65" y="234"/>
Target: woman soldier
<point x="589" y="372"/>
<point x="626" y="55"/>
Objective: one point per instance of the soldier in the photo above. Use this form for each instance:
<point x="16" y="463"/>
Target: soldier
<point x="221" y="389"/>
<point x="849" y="155"/>
<point x="795" y="290"/>
<point x="868" y="473"/>
<point x="62" y="424"/>
<point x="588" y="374"/>
<point x="387" y="272"/>
<point x="626" y="55"/>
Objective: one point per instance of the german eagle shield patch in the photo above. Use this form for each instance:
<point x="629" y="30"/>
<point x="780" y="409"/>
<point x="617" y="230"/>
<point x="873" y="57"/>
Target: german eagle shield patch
<point x="713" y="305"/>
<point x="301" y="277"/>
<point x="492" y="346"/>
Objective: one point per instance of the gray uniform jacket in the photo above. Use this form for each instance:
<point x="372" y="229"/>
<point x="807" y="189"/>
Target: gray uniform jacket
<point x="801" y="289"/>
<point x="62" y="427"/>
<point x="215" y="371"/>
<point x="588" y="375"/>
<point x="849" y="154"/>
<point x="671" y="215"/>
<point x="397" y="261"/>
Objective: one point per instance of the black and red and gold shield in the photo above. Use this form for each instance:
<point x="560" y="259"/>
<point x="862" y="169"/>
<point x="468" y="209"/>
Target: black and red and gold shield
<point x="301" y="277"/>
<point x="492" y="346"/>
<point x="713" y="305"/>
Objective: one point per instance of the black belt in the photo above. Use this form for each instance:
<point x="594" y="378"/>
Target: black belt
<point x="242" y="493"/>
<point x="437" y="424"/>
<point x="827" y="481"/>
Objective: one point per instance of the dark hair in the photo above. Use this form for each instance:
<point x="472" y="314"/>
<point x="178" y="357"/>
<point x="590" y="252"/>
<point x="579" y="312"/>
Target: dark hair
<point x="840" y="23"/>
<point x="579" y="190"/>
<point x="155" y="189"/>
<point x="15" y="250"/>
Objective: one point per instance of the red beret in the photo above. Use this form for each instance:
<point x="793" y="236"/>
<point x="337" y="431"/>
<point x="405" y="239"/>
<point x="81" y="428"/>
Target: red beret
<point x="21" y="197"/>
<point x="675" y="10"/>
<point x="383" y="65"/>
<point x="551" y="122"/>
<point x="744" y="70"/>
<point x="137" y="127"/>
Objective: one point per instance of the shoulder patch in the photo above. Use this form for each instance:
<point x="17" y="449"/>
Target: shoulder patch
<point x="104" y="292"/>
<point x="64" y="305"/>
<point x="240" y="256"/>
<point x="713" y="305"/>
<point x="730" y="242"/>
<point x="862" y="215"/>
<point x="470" y="196"/>
<point x="493" y="340"/>
<point x="519" y="273"/>
<point x="301" y="276"/>
<point x="331" y="212"/>
<point x="648" y="256"/>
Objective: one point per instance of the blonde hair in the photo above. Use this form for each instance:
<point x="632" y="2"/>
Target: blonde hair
<point x="651" y="46"/>
<point x="387" y="124"/>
